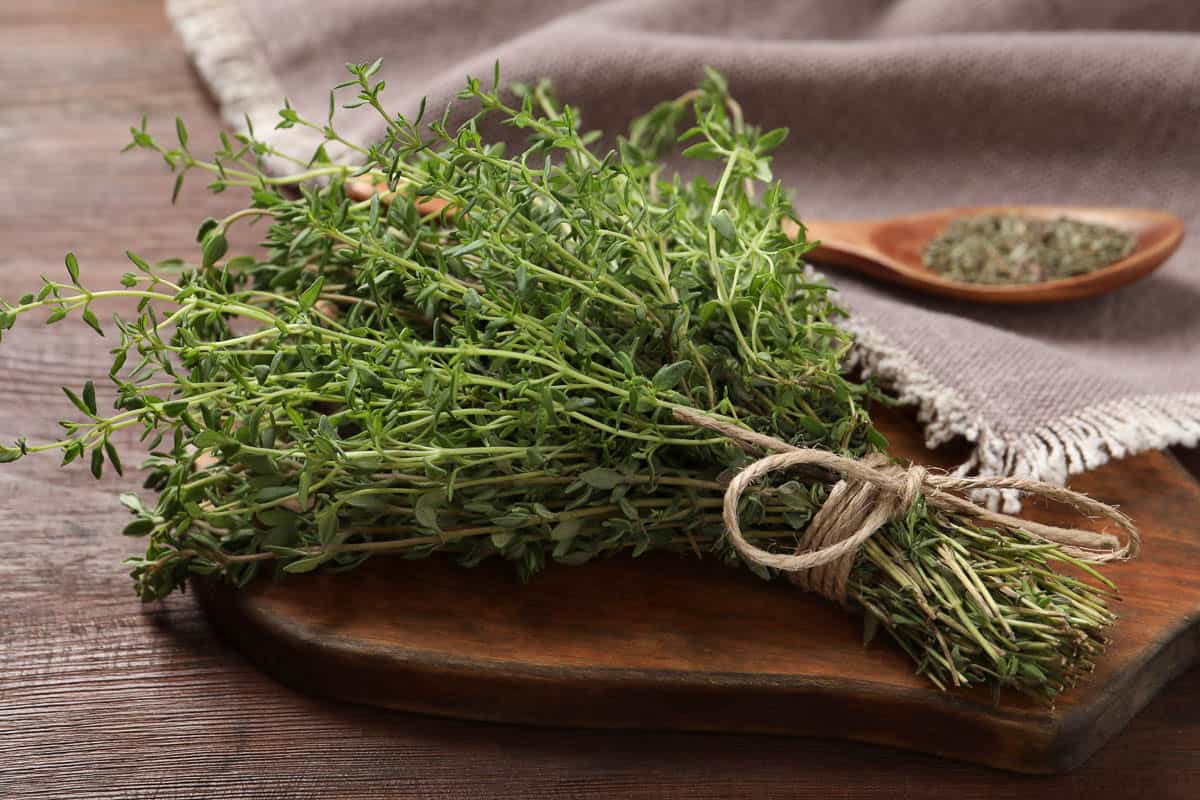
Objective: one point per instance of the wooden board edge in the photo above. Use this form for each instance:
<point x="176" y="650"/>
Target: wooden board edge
<point x="1077" y="735"/>
<point x="585" y="698"/>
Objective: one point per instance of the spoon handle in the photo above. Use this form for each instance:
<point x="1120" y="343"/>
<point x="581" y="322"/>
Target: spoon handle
<point x="848" y="233"/>
<point x="848" y="244"/>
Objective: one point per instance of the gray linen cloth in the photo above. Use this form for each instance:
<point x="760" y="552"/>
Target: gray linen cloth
<point x="893" y="107"/>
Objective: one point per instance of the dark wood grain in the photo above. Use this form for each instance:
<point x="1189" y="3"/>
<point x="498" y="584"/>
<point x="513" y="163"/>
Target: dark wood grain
<point x="103" y="698"/>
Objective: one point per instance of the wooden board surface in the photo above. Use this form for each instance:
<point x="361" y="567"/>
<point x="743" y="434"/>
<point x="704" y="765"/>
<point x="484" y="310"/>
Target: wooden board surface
<point x="671" y="642"/>
<point x="101" y="697"/>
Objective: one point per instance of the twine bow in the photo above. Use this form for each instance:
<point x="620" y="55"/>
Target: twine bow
<point x="874" y="491"/>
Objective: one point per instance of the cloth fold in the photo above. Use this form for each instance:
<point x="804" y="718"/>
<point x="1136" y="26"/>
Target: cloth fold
<point x="893" y="107"/>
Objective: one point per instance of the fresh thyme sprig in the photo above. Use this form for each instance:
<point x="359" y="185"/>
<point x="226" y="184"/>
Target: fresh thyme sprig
<point x="482" y="360"/>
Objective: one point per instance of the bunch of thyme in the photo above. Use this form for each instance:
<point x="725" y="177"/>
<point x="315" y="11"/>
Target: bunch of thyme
<point x="486" y="365"/>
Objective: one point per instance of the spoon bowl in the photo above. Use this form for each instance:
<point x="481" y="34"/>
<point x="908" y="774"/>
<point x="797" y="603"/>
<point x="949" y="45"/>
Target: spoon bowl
<point x="890" y="249"/>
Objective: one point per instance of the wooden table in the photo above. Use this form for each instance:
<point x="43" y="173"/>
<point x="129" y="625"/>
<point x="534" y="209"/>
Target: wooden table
<point x="102" y="697"/>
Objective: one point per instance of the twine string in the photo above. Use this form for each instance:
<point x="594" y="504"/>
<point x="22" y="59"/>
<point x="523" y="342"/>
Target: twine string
<point x="873" y="491"/>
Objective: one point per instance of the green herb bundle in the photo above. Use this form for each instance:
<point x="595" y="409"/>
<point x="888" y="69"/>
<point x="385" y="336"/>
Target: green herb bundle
<point x="495" y="377"/>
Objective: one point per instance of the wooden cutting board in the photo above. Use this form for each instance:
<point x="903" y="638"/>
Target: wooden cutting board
<point x="672" y="642"/>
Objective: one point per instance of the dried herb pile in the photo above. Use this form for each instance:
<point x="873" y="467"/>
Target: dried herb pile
<point x="493" y="374"/>
<point x="1009" y="248"/>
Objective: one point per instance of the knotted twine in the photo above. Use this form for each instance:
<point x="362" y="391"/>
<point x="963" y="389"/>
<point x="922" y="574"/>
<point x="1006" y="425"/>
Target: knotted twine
<point x="873" y="491"/>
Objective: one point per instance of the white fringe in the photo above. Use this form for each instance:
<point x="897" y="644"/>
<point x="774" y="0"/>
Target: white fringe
<point x="233" y="64"/>
<point x="230" y="59"/>
<point x="1051" y="452"/>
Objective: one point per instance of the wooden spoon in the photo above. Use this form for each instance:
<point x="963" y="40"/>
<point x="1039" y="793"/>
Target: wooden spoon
<point x="362" y="188"/>
<point x="890" y="249"/>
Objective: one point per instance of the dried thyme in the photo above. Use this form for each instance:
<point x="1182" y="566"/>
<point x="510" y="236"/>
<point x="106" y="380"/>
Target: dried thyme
<point x="1007" y="248"/>
<point x="495" y="377"/>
